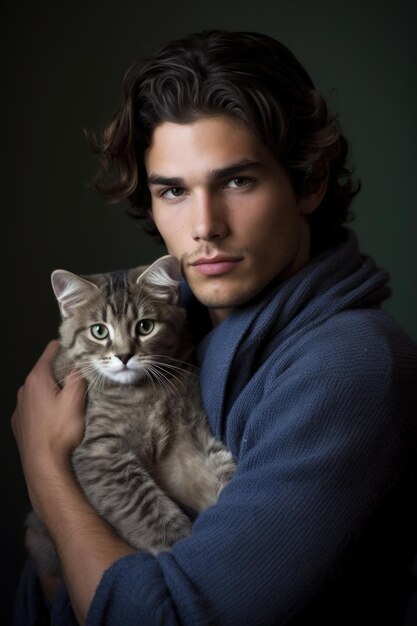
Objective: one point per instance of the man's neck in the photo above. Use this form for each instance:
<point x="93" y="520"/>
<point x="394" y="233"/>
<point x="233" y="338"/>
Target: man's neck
<point x="218" y="315"/>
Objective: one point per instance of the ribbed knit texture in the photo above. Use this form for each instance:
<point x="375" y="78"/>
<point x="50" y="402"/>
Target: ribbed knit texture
<point x="313" y="388"/>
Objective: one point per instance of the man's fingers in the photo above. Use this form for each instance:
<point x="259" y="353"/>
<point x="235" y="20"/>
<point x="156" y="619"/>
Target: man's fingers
<point x="74" y="380"/>
<point x="75" y="385"/>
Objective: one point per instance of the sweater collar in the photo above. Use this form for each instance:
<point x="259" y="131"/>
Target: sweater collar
<point x="338" y="279"/>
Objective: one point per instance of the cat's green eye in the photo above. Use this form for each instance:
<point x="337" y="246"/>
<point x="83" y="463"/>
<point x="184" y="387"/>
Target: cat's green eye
<point x="145" y="327"/>
<point x="99" y="331"/>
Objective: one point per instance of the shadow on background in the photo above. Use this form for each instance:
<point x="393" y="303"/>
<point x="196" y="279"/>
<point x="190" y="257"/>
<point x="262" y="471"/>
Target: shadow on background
<point x="63" y="67"/>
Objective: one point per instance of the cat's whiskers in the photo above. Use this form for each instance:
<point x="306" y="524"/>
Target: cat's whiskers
<point x="164" y="382"/>
<point x="87" y="369"/>
<point x="164" y="369"/>
<point x="97" y="382"/>
<point x="68" y="375"/>
<point x="187" y="365"/>
<point x="163" y="377"/>
<point x="152" y="383"/>
<point x="169" y="371"/>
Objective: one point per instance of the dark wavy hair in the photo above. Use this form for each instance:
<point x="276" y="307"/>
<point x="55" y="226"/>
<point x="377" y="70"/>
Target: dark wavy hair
<point x="250" y="77"/>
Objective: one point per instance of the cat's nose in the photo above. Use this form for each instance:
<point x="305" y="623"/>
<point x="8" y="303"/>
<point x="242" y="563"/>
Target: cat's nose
<point x="124" y="358"/>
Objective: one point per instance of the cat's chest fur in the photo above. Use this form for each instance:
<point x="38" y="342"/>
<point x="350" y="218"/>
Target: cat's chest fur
<point x="167" y="436"/>
<point x="128" y="418"/>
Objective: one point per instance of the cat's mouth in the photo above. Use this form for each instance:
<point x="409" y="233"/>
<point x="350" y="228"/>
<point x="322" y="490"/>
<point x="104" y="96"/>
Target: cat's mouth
<point x="125" y="375"/>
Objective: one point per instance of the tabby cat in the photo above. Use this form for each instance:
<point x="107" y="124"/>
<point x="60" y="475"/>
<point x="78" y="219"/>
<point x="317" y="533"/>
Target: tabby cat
<point x="147" y="445"/>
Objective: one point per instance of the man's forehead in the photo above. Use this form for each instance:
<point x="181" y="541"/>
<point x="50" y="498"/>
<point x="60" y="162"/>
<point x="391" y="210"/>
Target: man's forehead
<point x="210" y="147"/>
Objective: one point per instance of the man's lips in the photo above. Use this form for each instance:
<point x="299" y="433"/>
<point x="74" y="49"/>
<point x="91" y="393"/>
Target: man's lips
<point x="215" y="266"/>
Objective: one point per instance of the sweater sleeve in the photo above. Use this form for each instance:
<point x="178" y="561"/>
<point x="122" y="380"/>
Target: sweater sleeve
<point x="316" y="456"/>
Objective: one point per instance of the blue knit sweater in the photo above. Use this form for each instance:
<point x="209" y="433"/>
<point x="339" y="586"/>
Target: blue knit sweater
<point x="313" y="388"/>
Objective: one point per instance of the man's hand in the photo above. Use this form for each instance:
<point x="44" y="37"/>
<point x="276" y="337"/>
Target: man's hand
<point x="48" y="422"/>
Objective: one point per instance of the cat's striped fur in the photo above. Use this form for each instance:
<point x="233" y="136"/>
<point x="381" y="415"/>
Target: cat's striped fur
<point x="147" y="444"/>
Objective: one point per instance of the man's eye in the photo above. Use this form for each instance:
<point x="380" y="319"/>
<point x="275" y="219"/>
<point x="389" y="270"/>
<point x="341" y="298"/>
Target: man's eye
<point x="239" y="181"/>
<point x="173" y="192"/>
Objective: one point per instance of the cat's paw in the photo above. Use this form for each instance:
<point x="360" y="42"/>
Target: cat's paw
<point x="164" y="533"/>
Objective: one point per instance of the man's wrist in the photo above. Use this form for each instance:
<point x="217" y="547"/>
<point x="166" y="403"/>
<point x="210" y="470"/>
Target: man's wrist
<point x="52" y="486"/>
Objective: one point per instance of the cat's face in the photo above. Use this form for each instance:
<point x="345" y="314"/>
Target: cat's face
<point x="122" y="348"/>
<point x="122" y="327"/>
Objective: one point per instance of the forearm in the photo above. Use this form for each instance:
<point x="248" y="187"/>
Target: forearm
<point x="85" y="544"/>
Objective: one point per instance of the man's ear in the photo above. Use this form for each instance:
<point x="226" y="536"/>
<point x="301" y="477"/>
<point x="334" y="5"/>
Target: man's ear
<point x="309" y="202"/>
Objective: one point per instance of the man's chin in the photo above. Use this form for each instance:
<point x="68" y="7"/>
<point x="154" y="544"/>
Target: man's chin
<point x="220" y="301"/>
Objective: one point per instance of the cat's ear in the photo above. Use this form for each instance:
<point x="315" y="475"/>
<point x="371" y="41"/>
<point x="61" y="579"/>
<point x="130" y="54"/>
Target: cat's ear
<point x="71" y="291"/>
<point x="163" y="276"/>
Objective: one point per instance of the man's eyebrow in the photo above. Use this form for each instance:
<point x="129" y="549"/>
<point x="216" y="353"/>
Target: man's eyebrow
<point x="159" y="179"/>
<point x="234" y="168"/>
<point x="216" y="174"/>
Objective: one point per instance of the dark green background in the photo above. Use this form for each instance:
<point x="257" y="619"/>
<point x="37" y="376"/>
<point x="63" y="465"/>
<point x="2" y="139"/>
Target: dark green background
<point x="63" y="64"/>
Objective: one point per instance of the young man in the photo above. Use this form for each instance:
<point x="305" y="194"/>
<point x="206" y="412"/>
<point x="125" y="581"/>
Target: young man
<point x="224" y="146"/>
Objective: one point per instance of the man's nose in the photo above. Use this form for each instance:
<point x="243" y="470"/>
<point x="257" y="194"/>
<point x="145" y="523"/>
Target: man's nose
<point x="209" y="218"/>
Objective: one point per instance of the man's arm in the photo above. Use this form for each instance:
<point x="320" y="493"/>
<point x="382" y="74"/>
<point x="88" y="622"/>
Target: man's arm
<point x="86" y="546"/>
<point x="48" y="424"/>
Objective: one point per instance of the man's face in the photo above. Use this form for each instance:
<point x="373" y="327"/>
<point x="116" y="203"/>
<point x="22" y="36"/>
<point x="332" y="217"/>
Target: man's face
<point x="226" y="210"/>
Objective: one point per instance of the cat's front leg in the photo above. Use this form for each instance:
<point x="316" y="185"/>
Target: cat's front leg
<point x="220" y="460"/>
<point x="197" y="469"/>
<point x="126" y="495"/>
